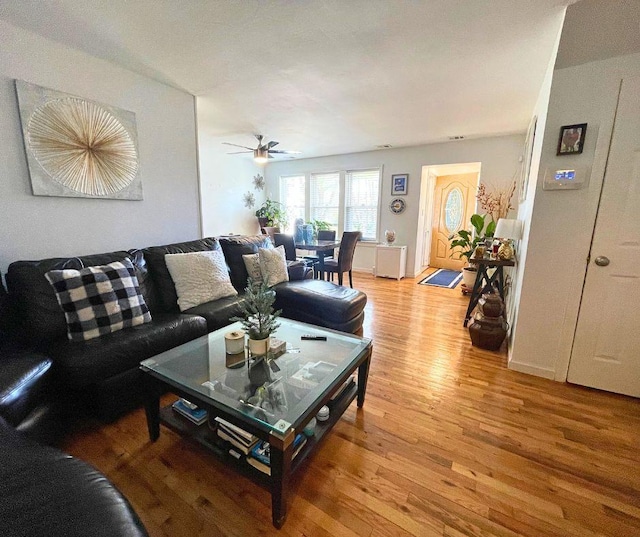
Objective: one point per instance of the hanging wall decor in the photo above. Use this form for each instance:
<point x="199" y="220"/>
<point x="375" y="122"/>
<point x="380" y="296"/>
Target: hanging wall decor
<point x="78" y="148"/>
<point x="249" y="200"/>
<point x="258" y="182"/>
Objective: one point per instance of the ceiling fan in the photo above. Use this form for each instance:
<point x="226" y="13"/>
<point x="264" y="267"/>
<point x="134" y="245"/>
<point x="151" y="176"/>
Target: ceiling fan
<point x="263" y="152"/>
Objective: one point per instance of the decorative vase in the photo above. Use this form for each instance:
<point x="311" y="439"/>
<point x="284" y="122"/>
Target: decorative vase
<point x="390" y="236"/>
<point x="505" y="251"/>
<point x="299" y="234"/>
<point x="307" y="231"/>
<point x="487" y="332"/>
<point x="259" y="347"/>
<point x="491" y="305"/>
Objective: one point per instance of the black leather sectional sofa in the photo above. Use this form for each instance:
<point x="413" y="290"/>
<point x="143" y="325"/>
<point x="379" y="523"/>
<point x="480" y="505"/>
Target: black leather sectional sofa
<point x="102" y="374"/>
<point x="46" y="492"/>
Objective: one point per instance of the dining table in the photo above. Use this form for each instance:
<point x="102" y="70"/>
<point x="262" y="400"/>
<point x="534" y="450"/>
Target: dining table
<point x="322" y="248"/>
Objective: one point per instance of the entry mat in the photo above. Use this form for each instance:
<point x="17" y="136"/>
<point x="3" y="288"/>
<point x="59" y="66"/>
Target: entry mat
<point x="443" y="278"/>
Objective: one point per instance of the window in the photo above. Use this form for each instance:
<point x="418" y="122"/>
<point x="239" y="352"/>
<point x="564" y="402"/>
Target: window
<point x="292" y="196"/>
<point x="453" y="210"/>
<point x="324" y="198"/>
<point x="361" y="202"/>
<point x="346" y="200"/>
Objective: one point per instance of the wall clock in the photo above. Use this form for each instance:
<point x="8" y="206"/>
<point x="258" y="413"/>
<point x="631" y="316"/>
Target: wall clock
<point x="397" y="206"/>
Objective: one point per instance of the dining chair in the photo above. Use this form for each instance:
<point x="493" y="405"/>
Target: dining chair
<point x="344" y="263"/>
<point x="288" y="241"/>
<point x="323" y="235"/>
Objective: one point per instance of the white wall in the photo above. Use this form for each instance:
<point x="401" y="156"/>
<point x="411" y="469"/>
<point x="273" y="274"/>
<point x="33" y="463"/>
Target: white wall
<point x="498" y="155"/>
<point x="35" y="227"/>
<point x="525" y="209"/>
<point x="224" y="179"/>
<point x="559" y="234"/>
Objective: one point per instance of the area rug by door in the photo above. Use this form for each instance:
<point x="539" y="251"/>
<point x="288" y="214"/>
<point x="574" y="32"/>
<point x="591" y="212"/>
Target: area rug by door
<point x="443" y="278"/>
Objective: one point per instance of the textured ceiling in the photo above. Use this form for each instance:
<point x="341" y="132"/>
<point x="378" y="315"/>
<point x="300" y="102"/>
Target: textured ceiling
<point x="324" y="76"/>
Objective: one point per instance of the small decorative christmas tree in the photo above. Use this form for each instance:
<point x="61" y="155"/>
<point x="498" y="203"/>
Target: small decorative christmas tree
<point x="259" y="320"/>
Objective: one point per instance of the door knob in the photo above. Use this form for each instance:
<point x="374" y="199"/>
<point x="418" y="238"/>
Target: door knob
<point x="602" y="261"/>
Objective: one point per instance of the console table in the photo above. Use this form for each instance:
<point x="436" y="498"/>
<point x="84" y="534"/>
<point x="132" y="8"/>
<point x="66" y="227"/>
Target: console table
<point x="485" y="283"/>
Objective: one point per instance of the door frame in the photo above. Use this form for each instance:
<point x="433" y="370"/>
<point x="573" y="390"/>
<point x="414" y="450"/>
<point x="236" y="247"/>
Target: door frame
<point x="427" y="195"/>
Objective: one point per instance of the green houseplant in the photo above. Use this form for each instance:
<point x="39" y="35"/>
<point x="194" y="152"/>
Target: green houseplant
<point x="258" y="319"/>
<point x="272" y="213"/>
<point x="465" y="241"/>
<point x="319" y="225"/>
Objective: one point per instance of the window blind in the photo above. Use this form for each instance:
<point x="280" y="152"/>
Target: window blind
<point x="292" y="196"/>
<point x="361" y="202"/>
<point x="324" y="189"/>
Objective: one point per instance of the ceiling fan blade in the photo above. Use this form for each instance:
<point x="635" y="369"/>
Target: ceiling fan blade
<point x="236" y="145"/>
<point x="285" y="152"/>
<point x="271" y="144"/>
<point x="238" y="152"/>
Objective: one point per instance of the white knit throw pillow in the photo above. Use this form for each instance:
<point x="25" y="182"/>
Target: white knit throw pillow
<point x="273" y="265"/>
<point x="199" y="277"/>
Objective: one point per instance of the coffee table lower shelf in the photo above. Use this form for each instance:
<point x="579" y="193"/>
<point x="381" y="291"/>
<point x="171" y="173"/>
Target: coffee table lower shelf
<point x="208" y="438"/>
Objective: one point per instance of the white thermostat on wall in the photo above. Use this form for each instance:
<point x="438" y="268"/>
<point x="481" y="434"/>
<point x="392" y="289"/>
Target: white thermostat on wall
<point x="567" y="178"/>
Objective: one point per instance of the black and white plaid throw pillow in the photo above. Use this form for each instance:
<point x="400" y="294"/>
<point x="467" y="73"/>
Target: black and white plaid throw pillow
<point x="99" y="300"/>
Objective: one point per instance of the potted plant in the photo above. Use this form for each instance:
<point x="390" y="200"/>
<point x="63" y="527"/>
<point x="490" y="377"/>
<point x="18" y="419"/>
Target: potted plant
<point x="319" y="225"/>
<point x="464" y="243"/>
<point x="272" y="213"/>
<point x="259" y="318"/>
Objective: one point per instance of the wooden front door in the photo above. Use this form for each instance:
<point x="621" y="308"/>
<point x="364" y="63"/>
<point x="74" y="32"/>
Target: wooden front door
<point x="606" y="346"/>
<point x="454" y="203"/>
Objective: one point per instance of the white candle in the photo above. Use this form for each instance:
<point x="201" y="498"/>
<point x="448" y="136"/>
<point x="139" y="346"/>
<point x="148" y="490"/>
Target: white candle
<point x="234" y="342"/>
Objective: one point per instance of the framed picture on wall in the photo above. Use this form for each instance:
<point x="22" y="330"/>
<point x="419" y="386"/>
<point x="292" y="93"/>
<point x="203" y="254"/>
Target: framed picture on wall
<point x="571" y="141"/>
<point x="525" y="169"/>
<point x="399" y="184"/>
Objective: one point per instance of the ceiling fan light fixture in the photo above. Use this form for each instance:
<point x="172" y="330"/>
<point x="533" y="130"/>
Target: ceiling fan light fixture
<point x="261" y="155"/>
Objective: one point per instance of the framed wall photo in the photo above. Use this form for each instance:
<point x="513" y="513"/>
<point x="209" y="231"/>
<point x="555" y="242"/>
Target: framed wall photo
<point x="527" y="155"/>
<point x="571" y="141"/>
<point x="399" y="184"/>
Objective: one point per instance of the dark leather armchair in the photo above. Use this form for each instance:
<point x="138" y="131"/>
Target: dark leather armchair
<point x="45" y="492"/>
<point x="344" y="263"/>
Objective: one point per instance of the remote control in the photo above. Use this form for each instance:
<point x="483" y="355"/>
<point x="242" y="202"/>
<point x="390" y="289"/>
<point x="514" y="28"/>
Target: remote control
<point x="314" y="338"/>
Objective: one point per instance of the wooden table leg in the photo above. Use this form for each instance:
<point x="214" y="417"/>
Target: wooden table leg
<point x="281" y="453"/>
<point x="321" y="264"/>
<point x="363" y="376"/>
<point x="475" y="293"/>
<point x="152" y="407"/>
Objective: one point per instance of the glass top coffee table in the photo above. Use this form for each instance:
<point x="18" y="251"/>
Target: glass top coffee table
<point x="311" y="374"/>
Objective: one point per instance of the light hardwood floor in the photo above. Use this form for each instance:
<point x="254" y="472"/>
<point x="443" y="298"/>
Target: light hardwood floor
<point x="449" y="442"/>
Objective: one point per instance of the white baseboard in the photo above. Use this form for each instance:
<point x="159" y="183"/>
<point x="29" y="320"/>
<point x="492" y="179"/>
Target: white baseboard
<point x="532" y="370"/>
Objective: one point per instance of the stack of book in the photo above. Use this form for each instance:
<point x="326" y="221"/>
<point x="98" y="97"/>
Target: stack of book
<point x="347" y="385"/>
<point x="260" y="455"/>
<point x="190" y="411"/>
<point x="241" y="440"/>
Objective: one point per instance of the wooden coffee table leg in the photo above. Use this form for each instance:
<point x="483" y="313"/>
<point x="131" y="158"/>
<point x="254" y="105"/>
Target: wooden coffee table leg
<point x="281" y="452"/>
<point x="152" y="407"/>
<point x="363" y="376"/>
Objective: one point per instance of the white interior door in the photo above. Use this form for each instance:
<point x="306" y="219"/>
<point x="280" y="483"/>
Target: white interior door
<point x="606" y="347"/>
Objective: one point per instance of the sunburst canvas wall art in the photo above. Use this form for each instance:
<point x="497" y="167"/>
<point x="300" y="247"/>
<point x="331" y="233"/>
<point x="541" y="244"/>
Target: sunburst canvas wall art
<point x="76" y="147"/>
